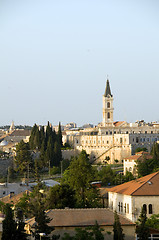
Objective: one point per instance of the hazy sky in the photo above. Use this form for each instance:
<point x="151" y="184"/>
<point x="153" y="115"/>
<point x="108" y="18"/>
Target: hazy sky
<point x="55" y="56"/>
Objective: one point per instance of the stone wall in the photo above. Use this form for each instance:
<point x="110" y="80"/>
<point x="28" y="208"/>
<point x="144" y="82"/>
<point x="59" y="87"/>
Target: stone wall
<point x="67" y="154"/>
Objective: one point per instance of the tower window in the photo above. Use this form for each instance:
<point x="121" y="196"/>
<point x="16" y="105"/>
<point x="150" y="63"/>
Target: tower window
<point x="108" y="114"/>
<point x="108" y="104"/>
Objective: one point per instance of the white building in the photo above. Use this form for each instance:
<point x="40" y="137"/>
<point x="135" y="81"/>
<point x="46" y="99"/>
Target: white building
<point x="131" y="162"/>
<point x="116" y="139"/>
<point x="129" y="198"/>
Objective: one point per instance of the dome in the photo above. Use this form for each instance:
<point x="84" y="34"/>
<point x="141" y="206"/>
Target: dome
<point x="4" y="143"/>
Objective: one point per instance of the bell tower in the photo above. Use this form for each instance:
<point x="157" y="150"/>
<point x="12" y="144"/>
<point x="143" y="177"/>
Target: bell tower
<point x="107" y="106"/>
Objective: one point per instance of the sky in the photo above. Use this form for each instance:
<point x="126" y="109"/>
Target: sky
<point x="56" y="55"/>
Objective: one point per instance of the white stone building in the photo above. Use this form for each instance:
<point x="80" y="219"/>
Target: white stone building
<point x="116" y="139"/>
<point x="129" y="198"/>
<point x="131" y="162"/>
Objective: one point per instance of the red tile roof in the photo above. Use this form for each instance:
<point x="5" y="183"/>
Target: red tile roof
<point x="118" y="123"/>
<point x="145" y="186"/>
<point x="19" y="133"/>
<point x="15" y="198"/>
<point x="140" y="155"/>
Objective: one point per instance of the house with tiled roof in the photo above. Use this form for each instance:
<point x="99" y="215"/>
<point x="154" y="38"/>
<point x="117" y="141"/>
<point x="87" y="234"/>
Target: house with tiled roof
<point x="14" y="199"/>
<point x="66" y="220"/>
<point x="129" y="163"/>
<point x="129" y="198"/>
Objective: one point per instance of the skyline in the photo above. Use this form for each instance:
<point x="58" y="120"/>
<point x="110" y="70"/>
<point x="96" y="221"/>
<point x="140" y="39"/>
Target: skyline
<point x="56" y="55"/>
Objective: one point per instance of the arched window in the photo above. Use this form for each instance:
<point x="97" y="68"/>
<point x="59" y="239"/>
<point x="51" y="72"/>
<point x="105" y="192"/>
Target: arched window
<point x="150" y="208"/>
<point x="108" y="104"/>
<point x="145" y="208"/>
<point x="108" y="114"/>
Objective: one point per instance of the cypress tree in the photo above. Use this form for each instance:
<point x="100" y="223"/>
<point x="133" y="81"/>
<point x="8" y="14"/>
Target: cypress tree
<point x="142" y="230"/>
<point x="50" y="151"/>
<point x="8" y="225"/>
<point x="32" y="137"/>
<point x="57" y="154"/>
<point x="37" y="140"/>
<point x="59" y="135"/>
<point x="117" y="229"/>
<point x="41" y="218"/>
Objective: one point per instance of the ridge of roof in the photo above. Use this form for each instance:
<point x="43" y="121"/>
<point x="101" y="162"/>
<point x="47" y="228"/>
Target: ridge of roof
<point x="134" y="186"/>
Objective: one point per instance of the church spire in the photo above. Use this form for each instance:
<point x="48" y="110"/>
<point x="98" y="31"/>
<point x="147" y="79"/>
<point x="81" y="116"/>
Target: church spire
<point x="107" y="90"/>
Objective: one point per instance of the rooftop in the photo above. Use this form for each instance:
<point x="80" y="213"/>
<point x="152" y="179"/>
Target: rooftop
<point x="82" y="217"/>
<point x="145" y="186"/>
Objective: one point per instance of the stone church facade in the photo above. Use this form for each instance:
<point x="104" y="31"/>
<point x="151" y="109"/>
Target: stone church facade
<point x="114" y="139"/>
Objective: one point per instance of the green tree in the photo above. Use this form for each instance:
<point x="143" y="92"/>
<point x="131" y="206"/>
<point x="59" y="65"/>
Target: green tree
<point x="128" y="177"/>
<point x="41" y="218"/>
<point x="142" y="229"/>
<point x="23" y="157"/>
<point x="117" y="229"/>
<point x="144" y="167"/>
<point x="8" y="225"/>
<point x="107" y="175"/>
<point x="57" y="154"/>
<point x="153" y="221"/>
<point x="32" y="142"/>
<point x="59" y="135"/>
<point x="24" y="204"/>
<point x="61" y="196"/>
<point x="20" y="232"/>
<point x="43" y="159"/>
<point x="155" y="154"/>
<point x="140" y="149"/>
<point x="79" y="175"/>
<point x="50" y="152"/>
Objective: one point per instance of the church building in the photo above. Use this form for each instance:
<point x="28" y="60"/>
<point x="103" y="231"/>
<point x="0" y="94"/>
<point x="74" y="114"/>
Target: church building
<point x="114" y="139"/>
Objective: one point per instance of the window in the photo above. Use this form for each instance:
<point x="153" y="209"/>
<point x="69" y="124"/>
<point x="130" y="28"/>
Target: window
<point x="151" y="132"/>
<point x="121" y="207"/>
<point x="108" y="114"/>
<point x="145" y="208"/>
<point x="150" y="208"/>
<point x="108" y="104"/>
<point x="127" y="207"/>
<point x="137" y="140"/>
